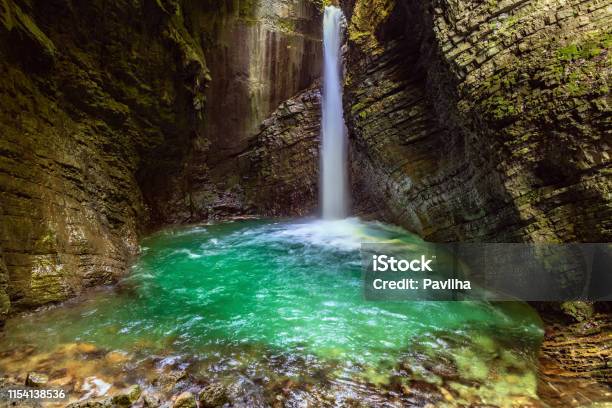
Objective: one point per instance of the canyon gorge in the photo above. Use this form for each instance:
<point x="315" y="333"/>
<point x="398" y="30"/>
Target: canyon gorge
<point x="467" y="121"/>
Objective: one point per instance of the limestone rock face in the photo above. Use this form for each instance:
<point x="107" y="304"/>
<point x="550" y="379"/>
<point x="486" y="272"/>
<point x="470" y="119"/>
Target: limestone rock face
<point x="280" y="168"/>
<point x="260" y="53"/>
<point x="121" y="116"/>
<point x="97" y="106"/>
<point x="484" y="121"/>
<point x="488" y="121"/>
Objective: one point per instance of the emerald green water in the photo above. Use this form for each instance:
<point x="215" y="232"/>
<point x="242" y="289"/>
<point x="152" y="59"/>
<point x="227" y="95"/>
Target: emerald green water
<point x="242" y="291"/>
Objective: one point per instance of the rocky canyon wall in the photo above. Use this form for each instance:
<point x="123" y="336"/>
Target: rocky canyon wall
<point x="280" y="169"/>
<point x="97" y="99"/>
<point x="489" y="121"/>
<point x="476" y="120"/>
<point x="260" y="53"/>
<point x="121" y="116"/>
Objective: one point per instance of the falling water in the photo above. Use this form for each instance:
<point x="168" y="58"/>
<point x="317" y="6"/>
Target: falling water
<point x="334" y="144"/>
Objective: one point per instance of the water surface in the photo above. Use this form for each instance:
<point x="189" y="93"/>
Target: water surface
<point x="283" y="298"/>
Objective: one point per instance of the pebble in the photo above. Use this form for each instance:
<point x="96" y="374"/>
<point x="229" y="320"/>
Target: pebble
<point x="35" y="379"/>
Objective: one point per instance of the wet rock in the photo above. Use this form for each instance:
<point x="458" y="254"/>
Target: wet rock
<point x="213" y="395"/>
<point x="117" y="357"/>
<point x="280" y="169"/>
<point x="185" y="400"/>
<point x="244" y="393"/>
<point x="590" y="355"/>
<point x="35" y="379"/>
<point x="152" y="399"/>
<point x="579" y="311"/>
<point x="127" y="397"/>
<point x="92" y="403"/>
<point x="62" y="381"/>
<point x="169" y="379"/>
<point x="95" y="387"/>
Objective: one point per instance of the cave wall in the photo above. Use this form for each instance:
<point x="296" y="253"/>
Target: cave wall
<point x="489" y="121"/>
<point x="260" y="53"/>
<point x="118" y="117"/>
<point x="97" y="99"/>
<point x="476" y="120"/>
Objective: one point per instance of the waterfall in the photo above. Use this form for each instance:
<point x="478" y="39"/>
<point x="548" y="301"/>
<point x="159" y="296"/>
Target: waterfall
<point x="333" y="190"/>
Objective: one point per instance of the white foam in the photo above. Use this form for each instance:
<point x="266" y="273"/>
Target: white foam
<point x="344" y="235"/>
<point x="190" y="254"/>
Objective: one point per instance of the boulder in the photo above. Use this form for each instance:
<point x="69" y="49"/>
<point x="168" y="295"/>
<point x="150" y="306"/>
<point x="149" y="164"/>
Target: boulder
<point x="151" y="400"/>
<point x="185" y="400"/>
<point x="213" y="395"/>
<point x="127" y="397"/>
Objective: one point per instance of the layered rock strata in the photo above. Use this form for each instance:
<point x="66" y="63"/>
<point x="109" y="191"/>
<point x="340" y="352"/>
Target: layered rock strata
<point x="479" y="120"/>
<point x="99" y="103"/>
<point x="280" y="168"/>
<point x="487" y="121"/>
<point x="107" y="132"/>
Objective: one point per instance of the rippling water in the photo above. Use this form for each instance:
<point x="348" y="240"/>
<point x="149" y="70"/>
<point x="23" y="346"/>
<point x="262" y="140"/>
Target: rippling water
<point x="248" y="293"/>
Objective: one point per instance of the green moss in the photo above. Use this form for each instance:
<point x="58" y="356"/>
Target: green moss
<point x="247" y="9"/>
<point x="367" y="16"/>
<point x="578" y="310"/>
<point x="587" y="49"/>
<point x="286" y="25"/>
<point x="499" y="107"/>
<point x="601" y="104"/>
<point x="357" y="107"/>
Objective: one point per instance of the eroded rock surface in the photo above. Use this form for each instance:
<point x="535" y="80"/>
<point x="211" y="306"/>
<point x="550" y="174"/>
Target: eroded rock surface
<point x="280" y="169"/>
<point x="260" y="53"/>
<point x="479" y="120"/>
<point x="106" y="129"/>
<point x="98" y="104"/>
<point x="487" y="121"/>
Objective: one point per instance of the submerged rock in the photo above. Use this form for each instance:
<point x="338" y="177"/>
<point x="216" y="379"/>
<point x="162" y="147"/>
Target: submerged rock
<point x="213" y="395"/>
<point x="245" y="393"/>
<point x="86" y="348"/>
<point x="185" y="400"/>
<point x="35" y="379"/>
<point x="152" y="399"/>
<point x="117" y="357"/>
<point x="128" y="397"/>
<point x="95" y="387"/>
<point x="168" y="380"/>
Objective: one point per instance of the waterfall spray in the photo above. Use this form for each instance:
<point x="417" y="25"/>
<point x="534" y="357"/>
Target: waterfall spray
<point x="333" y="189"/>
